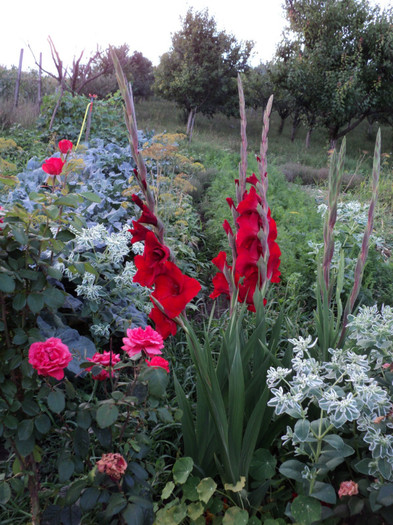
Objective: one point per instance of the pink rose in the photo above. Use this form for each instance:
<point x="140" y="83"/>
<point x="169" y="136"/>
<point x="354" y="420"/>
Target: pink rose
<point x="53" y="166"/>
<point x="139" y="339"/>
<point x="114" y="465"/>
<point x="103" y="359"/>
<point x="50" y="357"/>
<point x="348" y="488"/>
<point x="158" y="362"/>
<point x="65" y="146"/>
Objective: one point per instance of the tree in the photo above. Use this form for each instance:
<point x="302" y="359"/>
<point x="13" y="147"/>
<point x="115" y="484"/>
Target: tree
<point x="200" y="70"/>
<point x="137" y="68"/>
<point x="339" y="63"/>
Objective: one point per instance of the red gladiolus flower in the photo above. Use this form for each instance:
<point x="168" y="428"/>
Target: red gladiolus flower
<point x="230" y="202"/>
<point x="248" y="286"/>
<point x="249" y="249"/>
<point x="147" y="217"/>
<point x="53" y="166"/>
<point x="227" y="228"/>
<point x="65" y="146"/>
<point x="252" y="180"/>
<point x="173" y="289"/>
<point x="220" y="261"/>
<point x="163" y="324"/>
<point x="220" y="285"/>
<point x="158" y="362"/>
<point x="250" y="202"/>
<point x="151" y="263"/>
<point x="139" y="232"/>
<point x="138" y="201"/>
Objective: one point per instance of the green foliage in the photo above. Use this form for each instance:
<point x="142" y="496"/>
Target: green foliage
<point x="230" y="420"/>
<point x="333" y="63"/>
<point x="137" y="68"/>
<point x="106" y="119"/>
<point x="199" y="72"/>
<point x="189" y="499"/>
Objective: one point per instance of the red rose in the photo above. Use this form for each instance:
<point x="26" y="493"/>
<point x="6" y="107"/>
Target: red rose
<point x="65" y="146"/>
<point x="158" y="362"/>
<point x="151" y="262"/>
<point x="173" y="289"/>
<point x="50" y="357"/>
<point x="105" y="360"/>
<point x="53" y="166"/>
<point x="146" y="340"/>
<point x="163" y="324"/>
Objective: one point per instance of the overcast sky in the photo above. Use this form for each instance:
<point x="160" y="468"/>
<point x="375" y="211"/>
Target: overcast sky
<point x="145" y="25"/>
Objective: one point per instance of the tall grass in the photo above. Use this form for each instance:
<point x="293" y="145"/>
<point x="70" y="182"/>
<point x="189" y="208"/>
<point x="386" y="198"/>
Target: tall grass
<point x="25" y="114"/>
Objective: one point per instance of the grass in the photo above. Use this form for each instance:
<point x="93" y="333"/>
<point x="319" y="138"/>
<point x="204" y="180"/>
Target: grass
<point x="25" y="114"/>
<point x="223" y="133"/>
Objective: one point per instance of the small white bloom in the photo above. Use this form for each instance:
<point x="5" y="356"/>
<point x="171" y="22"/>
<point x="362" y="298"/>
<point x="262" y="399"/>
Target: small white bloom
<point x="276" y="375"/>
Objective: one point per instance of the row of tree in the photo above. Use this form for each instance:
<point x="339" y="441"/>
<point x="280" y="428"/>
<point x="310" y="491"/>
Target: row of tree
<point x="333" y="68"/>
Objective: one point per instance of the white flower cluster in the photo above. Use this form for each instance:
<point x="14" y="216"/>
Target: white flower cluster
<point x="88" y="289"/>
<point x="351" y="211"/>
<point x="117" y="247"/>
<point x="125" y="279"/>
<point x="372" y="330"/>
<point x="100" y="329"/>
<point x="138" y="248"/>
<point x="88" y="238"/>
<point x="341" y="388"/>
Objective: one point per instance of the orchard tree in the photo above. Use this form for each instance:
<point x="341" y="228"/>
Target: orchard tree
<point x="340" y="64"/>
<point x="199" y="71"/>
<point x="137" y="68"/>
<point x="257" y="86"/>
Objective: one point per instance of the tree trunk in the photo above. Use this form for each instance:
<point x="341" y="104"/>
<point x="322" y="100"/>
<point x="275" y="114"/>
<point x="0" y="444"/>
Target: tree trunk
<point x="370" y="128"/>
<point x="17" y="85"/>
<point x="295" y="126"/>
<point x="333" y="136"/>
<point x="190" y="123"/>
<point x="308" y="137"/>
<point x="281" y="126"/>
<point x="311" y="125"/>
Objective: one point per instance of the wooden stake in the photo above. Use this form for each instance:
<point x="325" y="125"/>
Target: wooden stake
<point x="39" y="93"/>
<point x="18" y="79"/>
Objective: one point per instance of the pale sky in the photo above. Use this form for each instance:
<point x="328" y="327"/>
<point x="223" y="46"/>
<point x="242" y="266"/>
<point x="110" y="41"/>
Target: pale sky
<point x="145" y="25"/>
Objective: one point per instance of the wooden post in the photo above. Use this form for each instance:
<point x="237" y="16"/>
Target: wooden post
<point x="39" y="92"/>
<point x="17" y="85"/>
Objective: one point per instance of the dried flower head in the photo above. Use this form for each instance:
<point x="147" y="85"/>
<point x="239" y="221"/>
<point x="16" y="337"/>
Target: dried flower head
<point x="112" y="464"/>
